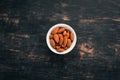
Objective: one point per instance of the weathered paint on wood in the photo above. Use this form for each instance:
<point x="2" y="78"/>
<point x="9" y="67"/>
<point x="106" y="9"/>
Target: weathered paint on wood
<point x="24" y="54"/>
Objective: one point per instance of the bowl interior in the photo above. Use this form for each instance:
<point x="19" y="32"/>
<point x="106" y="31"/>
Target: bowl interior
<point x="67" y="27"/>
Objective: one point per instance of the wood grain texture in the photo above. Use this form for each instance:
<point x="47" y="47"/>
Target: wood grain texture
<point x="24" y="54"/>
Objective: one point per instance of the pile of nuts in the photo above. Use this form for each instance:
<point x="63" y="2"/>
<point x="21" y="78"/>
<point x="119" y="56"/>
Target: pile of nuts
<point x="61" y="38"/>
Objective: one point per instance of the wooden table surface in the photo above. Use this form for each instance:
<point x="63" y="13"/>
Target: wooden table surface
<point x="24" y="54"/>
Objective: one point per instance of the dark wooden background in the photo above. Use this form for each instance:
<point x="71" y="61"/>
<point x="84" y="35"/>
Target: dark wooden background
<point x="24" y="54"/>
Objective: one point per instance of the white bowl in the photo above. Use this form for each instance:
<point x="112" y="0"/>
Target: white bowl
<point x="67" y="27"/>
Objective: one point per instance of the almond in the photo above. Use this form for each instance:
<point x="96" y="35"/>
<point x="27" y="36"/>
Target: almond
<point x="57" y="47"/>
<point x="55" y="30"/>
<point x="68" y="43"/>
<point x="56" y="38"/>
<point x="61" y="30"/>
<point x="61" y="39"/>
<point x="65" y="41"/>
<point x="71" y="36"/>
<point x="60" y="50"/>
<point x="60" y="35"/>
<point x="64" y="33"/>
<point x="51" y="36"/>
<point x="67" y="34"/>
<point x="52" y="43"/>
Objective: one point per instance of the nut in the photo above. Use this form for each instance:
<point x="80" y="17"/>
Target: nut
<point x="60" y="39"/>
<point x="55" y="30"/>
<point x="56" y="38"/>
<point x="61" y="30"/>
<point x="52" y="43"/>
<point x="60" y="50"/>
<point x="67" y="34"/>
<point x="51" y="36"/>
<point x="71" y="36"/>
<point x="68" y="43"/>
<point x="65" y="41"/>
<point x="57" y="47"/>
<point x="64" y="33"/>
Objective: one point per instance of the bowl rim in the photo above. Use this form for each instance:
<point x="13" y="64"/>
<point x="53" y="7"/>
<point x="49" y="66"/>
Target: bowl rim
<point x="67" y="27"/>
